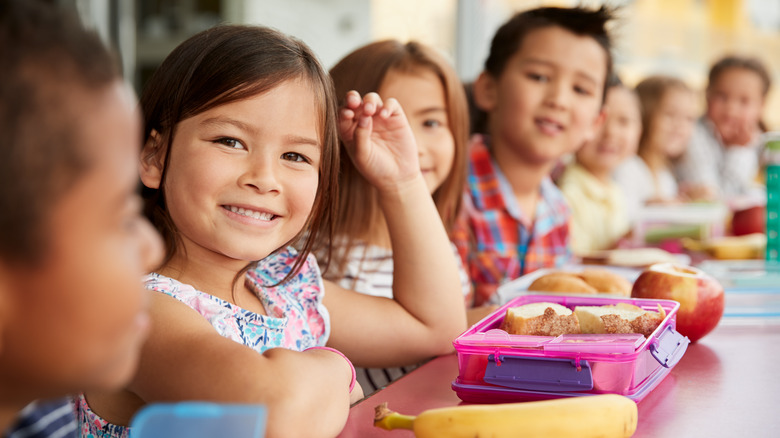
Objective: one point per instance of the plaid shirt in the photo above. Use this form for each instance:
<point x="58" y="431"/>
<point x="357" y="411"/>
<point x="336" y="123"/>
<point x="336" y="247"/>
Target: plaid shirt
<point x="492" y="234"/>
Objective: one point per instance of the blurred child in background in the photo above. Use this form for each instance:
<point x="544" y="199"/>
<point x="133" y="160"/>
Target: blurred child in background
<point x="434" y="101"/>
<point x="73" y="243"/>
<point x="598" y="211"/>
<point x="668" y="116"/>
<point x="542" y="89"/>
<point x="722" y="159"/>
<point x="240" y="162"/>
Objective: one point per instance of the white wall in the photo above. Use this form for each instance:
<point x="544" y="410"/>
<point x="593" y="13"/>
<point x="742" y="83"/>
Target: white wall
<point x="332" y="28"/>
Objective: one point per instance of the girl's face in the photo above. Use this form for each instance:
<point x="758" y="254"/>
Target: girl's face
<point x="547" y="101"/>
<point x="735" y="101"/>
<point x="242" y="177"/>
<point x="619" y="136"/>
<point x="671" y="125"/>
<point x="421" y="94"/>
<point x="79" y="318"/>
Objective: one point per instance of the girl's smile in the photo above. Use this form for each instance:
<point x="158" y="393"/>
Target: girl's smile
<point x="255" y="214"/>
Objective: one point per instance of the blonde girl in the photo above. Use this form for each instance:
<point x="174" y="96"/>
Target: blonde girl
<point x="434" y="101"/>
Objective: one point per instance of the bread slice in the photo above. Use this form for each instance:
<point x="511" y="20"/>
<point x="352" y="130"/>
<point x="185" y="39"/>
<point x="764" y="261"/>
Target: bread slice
<point x="619" y="318"/>
<point x="540" y="319"/>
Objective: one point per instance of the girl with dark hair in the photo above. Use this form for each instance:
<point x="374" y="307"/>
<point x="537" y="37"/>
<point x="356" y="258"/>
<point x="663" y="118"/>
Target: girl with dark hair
<point x="240" y="165"/>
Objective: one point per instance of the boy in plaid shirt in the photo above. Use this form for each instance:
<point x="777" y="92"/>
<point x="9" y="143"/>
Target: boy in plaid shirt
<point x="542" y="90"/>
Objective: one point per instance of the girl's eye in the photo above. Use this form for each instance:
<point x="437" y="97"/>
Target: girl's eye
<point x="294" y="156"/>
<point x="230" y="142"/>
<point x="582" y="90"/>
<point x="536" y="77"/>
<point x="430" y="123"/>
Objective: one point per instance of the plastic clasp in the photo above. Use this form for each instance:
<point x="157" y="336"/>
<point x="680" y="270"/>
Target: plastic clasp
<point x="669" y="347"/>
<point x="539" y="374"/>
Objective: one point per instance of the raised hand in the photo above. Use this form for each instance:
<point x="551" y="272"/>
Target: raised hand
<point x="379" y="140"/>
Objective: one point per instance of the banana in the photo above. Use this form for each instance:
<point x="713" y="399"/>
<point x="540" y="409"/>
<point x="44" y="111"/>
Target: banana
<point x="603" y="416"/>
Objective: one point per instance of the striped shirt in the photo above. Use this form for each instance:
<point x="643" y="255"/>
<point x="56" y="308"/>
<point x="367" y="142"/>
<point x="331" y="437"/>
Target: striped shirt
<point x="45" y="419"/>
<point x="492" y="234"/>
<point x="369" y="270"/>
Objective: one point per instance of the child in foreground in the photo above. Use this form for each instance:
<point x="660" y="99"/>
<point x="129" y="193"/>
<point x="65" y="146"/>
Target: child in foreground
<point x="599" y="218"/>
<point x="240" y="162"/>
<point x="542" y="89"/>
<point x="668" y="116"/>
<point x="434" y="101"/>
<point x="722" y="159"/>
<point x="71" y="222"/>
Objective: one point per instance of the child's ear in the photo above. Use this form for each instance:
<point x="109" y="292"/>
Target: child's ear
<point x="152" y="159"/>
<point x="598" y="122"/>
<point x="485" y="92"/>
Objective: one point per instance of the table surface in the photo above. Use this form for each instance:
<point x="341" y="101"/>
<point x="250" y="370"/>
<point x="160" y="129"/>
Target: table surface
<point x="727" y="384"/>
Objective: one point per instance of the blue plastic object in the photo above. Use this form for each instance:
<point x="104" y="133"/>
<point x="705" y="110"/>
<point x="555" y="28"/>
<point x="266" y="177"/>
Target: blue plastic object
<point x="199" y="420"/>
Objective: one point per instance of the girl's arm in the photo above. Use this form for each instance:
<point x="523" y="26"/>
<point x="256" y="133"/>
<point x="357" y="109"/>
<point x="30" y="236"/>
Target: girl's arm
<point x="427" y="311"/>
<point x="306" y="393"/>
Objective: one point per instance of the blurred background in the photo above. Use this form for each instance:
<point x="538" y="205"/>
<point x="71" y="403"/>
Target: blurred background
<point x="677" y="37"/>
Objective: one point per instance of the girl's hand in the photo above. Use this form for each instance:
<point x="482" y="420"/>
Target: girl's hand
<point x="379" y="140"/>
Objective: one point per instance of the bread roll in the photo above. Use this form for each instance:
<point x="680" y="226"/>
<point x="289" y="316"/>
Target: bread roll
<point x="562" y="282"/>
<point x="605" y="281"/>
<point x="619" y="318"/>
<point x="540" y="319"/>
<point x="589" y="281"/>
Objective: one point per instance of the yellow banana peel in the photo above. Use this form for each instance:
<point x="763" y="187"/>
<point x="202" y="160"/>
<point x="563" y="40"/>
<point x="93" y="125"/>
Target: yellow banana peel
<point x="603" y="416"/>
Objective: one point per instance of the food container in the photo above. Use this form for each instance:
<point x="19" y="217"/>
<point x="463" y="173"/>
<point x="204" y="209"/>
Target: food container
<point x="496" y="367"/>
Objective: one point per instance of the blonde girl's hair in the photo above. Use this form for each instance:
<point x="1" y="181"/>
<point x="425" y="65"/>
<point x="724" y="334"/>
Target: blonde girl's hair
<point x="651" y="92"/>
<point x="364" y="70"/>
<point x="225" y="64"/>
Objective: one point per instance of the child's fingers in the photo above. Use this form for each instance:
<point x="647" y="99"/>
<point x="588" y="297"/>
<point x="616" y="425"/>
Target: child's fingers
<point x="371" y="103"/>
<point x="391" y="107"/>
<point x="352" y="100"/>
<point x="346" y="124"/>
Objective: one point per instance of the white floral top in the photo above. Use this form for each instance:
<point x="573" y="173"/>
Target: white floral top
<point x="296" y="318"/>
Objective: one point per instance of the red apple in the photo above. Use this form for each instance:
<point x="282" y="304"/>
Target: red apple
<point x="748" y="221"/>
<point x="701" y="297"/>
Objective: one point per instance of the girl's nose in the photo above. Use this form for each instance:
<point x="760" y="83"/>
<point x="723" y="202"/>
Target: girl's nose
<point x="261" y="174"/>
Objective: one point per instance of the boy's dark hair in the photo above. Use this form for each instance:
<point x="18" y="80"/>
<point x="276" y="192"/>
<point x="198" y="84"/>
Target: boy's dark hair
<point x="48" y="62"/>
<point x="225" y="64"/>
<point x="579" y="21"/>
<point x="744" y="62"/>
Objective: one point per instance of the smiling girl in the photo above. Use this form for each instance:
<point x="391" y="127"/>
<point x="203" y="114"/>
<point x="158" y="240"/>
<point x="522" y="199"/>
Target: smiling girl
<point x="239" y="163"/>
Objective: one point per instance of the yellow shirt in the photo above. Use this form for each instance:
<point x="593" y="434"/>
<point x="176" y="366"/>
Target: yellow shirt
<point x="598" y="212"/>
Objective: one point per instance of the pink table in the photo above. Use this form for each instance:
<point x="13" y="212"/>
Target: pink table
<point x="728" y="384"/>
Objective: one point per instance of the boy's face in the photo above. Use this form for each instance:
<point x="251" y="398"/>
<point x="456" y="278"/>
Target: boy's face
<point x="619" y="136"/>
<point x="547" y="101"/>
<point x="77" y="320"/>
<point x="734" y="103"/>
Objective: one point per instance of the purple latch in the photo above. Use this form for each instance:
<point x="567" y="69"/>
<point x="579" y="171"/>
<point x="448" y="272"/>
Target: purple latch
<point x="538" y="374"/>
<point x="669" y="347"/>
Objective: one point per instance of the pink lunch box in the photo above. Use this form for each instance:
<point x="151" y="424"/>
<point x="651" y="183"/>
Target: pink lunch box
<point x="496" y="367"/>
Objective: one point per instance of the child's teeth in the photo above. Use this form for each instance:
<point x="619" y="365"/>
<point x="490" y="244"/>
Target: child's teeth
<point x="252" y="214"/>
